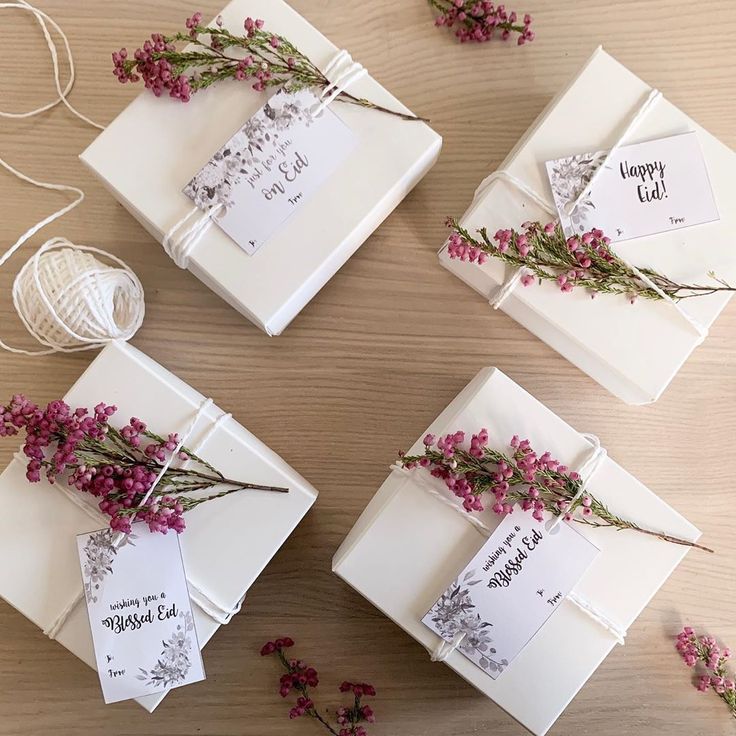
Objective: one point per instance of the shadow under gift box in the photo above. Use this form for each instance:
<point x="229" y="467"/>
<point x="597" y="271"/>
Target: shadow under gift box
<point x="407" y="547"/>
<point x="634" y="351"/>
<point x="225" y="546"/>
<point x="156" y="145"/>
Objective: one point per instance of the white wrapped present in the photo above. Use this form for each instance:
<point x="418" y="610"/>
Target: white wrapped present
<point x="155" y="146"/>
<point x="632" y="350"/>
<point x="414" y="538"/>
<point x="225" y="546"/>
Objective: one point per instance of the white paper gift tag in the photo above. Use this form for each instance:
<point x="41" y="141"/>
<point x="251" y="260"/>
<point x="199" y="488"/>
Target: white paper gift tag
<point x="645" y="189"/>
<point x="139" y="612"/>
<point x="509" y="589"/>
<point x="271" y="167"/>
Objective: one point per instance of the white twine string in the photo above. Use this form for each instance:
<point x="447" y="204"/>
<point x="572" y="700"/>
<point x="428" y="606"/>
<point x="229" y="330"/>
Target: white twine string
<point x="505" y="290"/>
<point x="184" y="236"/>
<point x="654" y="96"/>
<point x="42" y="19"/>
<point x="66" y="298"/>
<point x="588" y="468"/>
<point x="346" y="72"/>
<point x="221" y="614"/>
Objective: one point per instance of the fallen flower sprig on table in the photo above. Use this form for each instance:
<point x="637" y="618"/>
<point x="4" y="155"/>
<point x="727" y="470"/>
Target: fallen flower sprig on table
<point x="299" y="678"/>
<point x="705" y="650"/>
<point x="117" y="466"/>
<point x="582" y="261"/>
<point x="538" y="483"/>
<point x="262" y="59"/>
<point x="479" y="20"/>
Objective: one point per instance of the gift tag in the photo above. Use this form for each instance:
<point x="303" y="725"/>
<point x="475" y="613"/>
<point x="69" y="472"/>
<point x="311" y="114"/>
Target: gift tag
<point x="139" y="612"/>
<point x="509" y="589"/>
<point x="271" y="167"/>
<point x="645" y="189"/>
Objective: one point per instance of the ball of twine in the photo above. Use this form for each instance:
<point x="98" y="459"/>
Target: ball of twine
<point x="70" y="300"/>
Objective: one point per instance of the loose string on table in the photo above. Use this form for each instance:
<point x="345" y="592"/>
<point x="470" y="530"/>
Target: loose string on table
<point x="595" y="459"/>
<point x="217" y="612"/>
<point x="184" y="236"/>
<point x="67" y="299"/>
<point x="509" y="285"/>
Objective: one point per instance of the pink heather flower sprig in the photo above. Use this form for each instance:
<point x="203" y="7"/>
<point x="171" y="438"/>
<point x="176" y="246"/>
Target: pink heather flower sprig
<point x="479" y="21"/>
<point x="704" y="651"/>
<point x="258" y="58"/>
<point x="521" y="478"/>
<point x="299" y="677"/>
<point x="579" y="262"/>
<point x="118" y="467"/>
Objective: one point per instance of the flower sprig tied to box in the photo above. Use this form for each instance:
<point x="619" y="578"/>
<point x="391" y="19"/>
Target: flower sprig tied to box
<point x="135" y="482"/>
<point x="544" y="253"/>
<point x="266" y="60"/>
<point x="536" y="483"/>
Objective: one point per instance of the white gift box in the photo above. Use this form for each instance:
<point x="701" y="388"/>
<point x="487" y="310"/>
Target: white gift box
<point x="633" y="351"/>
<point x="225" y="546"/>
<point x="155" y="146"/>
<point x="408" y="546"/>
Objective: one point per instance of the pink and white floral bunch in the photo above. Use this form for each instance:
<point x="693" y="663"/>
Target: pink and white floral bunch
<point x="300" y="677"/>
<point x="480" y="20"/>
<point x="213" y="54"/>
<point x="585" y="261"/>
<point x="704" y="651"/>
<point x="522" y="478"/>
<point x="117" y="467"/>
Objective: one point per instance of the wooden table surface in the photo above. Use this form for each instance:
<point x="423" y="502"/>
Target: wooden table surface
<point x="371" y="361"/>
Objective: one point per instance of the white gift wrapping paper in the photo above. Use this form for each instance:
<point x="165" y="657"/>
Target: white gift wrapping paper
<point x="226" y="544"/>
<point x="407" y="547"/>
<point x="632" y="350"/>
<point x="153" y="148"/>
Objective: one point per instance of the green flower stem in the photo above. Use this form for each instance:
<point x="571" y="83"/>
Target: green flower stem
<point x="304" y="691"/>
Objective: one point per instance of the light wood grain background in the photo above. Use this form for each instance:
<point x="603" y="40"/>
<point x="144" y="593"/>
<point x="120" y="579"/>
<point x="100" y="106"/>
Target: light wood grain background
<point x="371" y="361"/>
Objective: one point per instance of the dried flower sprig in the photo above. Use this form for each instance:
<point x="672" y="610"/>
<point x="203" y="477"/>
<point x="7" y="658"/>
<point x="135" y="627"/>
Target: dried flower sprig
<point x="262" y="59"/>
<point x="582" y="261"/>
<point x="705" y="650"/>
<point x="114" y="465"/>
<point x="538" y="483"/>
<point x="479" y="20"/>
<point x="299" y="677"/>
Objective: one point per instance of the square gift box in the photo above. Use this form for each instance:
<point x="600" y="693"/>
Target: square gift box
<point x="225" y="546"/>
<point x="633" y="351"/>
<point x="155" y="146"/>
<point x="408" y="546"/>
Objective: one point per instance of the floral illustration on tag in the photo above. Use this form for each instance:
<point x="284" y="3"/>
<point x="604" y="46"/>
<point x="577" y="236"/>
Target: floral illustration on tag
<point x="173" y="665"/>
<point x="568" y="177"/>
<point x="214" y="184"/>
<point x="99" y="553"/>
<point x="454" y="614"/>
